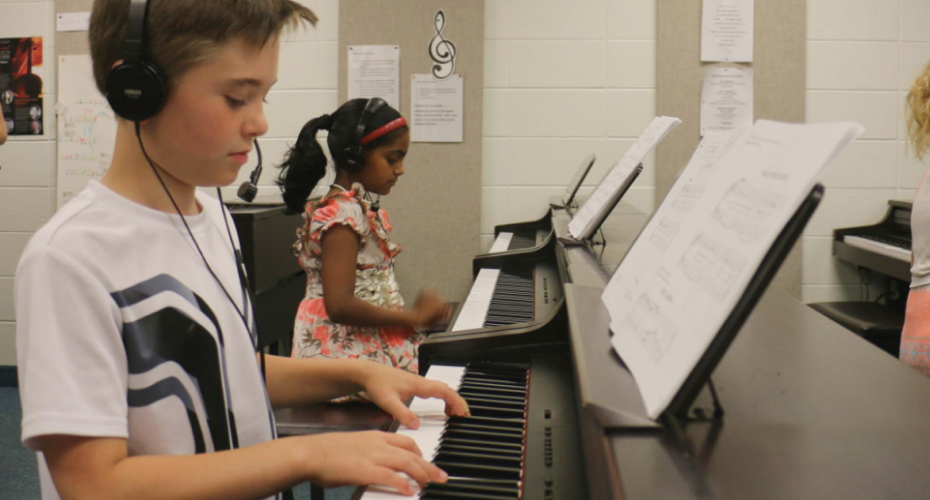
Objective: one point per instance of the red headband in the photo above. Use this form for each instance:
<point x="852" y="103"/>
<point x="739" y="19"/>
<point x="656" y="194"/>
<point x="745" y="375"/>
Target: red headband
<point x="384" y="129"/>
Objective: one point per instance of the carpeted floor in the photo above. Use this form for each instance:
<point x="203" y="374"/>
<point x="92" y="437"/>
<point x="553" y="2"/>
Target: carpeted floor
<point x="19" y="477"/>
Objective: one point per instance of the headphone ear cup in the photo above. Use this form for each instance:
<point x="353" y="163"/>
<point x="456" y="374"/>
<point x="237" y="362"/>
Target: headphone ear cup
<point x="136" y="91"/>
<point x="353" y="157"/>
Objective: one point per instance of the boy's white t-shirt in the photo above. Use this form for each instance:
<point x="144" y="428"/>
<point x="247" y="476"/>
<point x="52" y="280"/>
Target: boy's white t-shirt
<point x="122" y="332"/>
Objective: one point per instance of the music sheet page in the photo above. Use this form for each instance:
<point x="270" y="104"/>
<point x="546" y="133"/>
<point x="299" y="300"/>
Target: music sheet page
<point x="580" y="225"/>
<point x="680" y="281"/>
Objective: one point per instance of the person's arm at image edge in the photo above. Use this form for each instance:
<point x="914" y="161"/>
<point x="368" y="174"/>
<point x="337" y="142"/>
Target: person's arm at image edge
<point x="3" y="132"/>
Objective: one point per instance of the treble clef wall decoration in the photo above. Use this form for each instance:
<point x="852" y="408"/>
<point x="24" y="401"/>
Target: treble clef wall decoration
<point x="442" y="51"/>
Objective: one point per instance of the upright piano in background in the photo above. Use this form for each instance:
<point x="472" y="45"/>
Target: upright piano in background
<point x="266" y="236"/>
<point x="883" y="248"/>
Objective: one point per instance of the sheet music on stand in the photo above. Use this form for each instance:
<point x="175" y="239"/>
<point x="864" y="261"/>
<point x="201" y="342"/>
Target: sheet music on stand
<point x="585" y="222"/>
<point x="692" y="262"/>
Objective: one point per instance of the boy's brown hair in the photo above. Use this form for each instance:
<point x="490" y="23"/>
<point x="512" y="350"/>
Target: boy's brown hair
<point x="180" y="34"/>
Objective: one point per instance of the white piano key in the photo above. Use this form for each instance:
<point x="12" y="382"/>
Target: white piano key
<point x="501" y="243"/>
<point x="476" y="305"/>
<point x="879" y="248"/>
<point x="431" y="413"/>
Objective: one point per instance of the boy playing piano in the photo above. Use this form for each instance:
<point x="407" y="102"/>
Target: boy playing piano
<point x="137" y="369"/>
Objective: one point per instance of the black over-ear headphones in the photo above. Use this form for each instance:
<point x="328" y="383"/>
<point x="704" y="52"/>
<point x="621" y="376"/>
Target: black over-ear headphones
<point x="353" y="152"/>
<point x="136" y="88"/>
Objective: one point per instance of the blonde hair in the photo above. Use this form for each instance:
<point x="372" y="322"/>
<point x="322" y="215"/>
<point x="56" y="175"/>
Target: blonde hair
<point x="918" y="113"/>
<point x="183" y="33"/>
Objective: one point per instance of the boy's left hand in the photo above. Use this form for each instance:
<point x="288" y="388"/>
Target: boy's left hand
<point x="389" y="388"/>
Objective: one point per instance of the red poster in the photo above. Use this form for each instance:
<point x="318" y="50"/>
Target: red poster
<point x="21" y="87"/>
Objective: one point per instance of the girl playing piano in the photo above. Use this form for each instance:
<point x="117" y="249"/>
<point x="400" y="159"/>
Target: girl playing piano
<point x="352" y="307"/>
<point x="915" y="338"/>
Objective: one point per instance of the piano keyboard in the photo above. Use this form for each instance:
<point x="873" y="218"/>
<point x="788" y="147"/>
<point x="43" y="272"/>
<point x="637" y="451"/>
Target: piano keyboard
<point x="884" y="246"/>
<point x="514" y="241"/>
<point x="498" y="297"/>
<point x="483" y="454"/>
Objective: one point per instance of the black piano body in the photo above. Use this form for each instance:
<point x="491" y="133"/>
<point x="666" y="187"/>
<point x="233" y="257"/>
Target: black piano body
<point x="266" y="236"/>
<point x="810" y="411"/>
<point x="883" y="247"/>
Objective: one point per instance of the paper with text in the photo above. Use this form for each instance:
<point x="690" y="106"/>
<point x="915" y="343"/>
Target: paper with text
<point x="374" y="71"/>
<point x="726" y="99"/>
<point x="727" y="30"/>
<point x="582" y="224"/>
<point x="690" y="265"/>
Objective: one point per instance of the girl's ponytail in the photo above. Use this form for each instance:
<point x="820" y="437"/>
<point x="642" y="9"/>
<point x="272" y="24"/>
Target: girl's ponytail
<point x="304" y="165"/>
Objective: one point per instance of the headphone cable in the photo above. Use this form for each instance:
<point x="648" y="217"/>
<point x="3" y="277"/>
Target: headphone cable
<point x="236" y="253"/>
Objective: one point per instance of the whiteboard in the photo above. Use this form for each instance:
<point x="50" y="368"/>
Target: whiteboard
<point x="86" y="127"/>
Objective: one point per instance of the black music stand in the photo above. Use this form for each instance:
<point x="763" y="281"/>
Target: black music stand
<point x="615" y="198"/>
<point x="571" y="190"/>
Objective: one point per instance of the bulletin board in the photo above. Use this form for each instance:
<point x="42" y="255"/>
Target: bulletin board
<point x="435" y="208"/>
<point x="779" y="64"/>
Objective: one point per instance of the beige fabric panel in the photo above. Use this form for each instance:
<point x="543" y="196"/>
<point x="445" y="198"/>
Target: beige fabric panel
<point x="436" y="206"/>
<point x="779" y="79"/>
<point x="69" y="43"/>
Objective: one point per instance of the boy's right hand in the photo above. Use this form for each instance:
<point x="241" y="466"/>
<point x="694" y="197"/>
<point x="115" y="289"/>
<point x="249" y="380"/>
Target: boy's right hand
<point x="429" y="309"/>
<point x="370" y="457"/>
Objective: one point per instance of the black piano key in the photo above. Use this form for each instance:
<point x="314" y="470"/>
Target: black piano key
<point x="490" y="428"/>
<point x="486" y="443"/>
<point x="518" y="454"/>
<point x="479" y="386"/>
<point x="517" y="380"/>
<point x="481" y="470"/>
<point x="482" y="435"/>
<point x="522" y="240"/>
<point x="493" y="397"/>
<point x="432" y="494"/>
<point x="478" y="486"/>
<point x="502" y="422"/>
<point x="468" y="457"/>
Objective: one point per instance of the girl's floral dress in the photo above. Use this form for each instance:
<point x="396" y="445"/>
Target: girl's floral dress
<point x="314" y="334"/>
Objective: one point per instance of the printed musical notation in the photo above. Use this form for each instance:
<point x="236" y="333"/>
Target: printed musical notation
<point x="712" y="265"/>
<point x="441" y="51"/>
<point x="746" y="210"/>
<point x="652" y="327"/>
